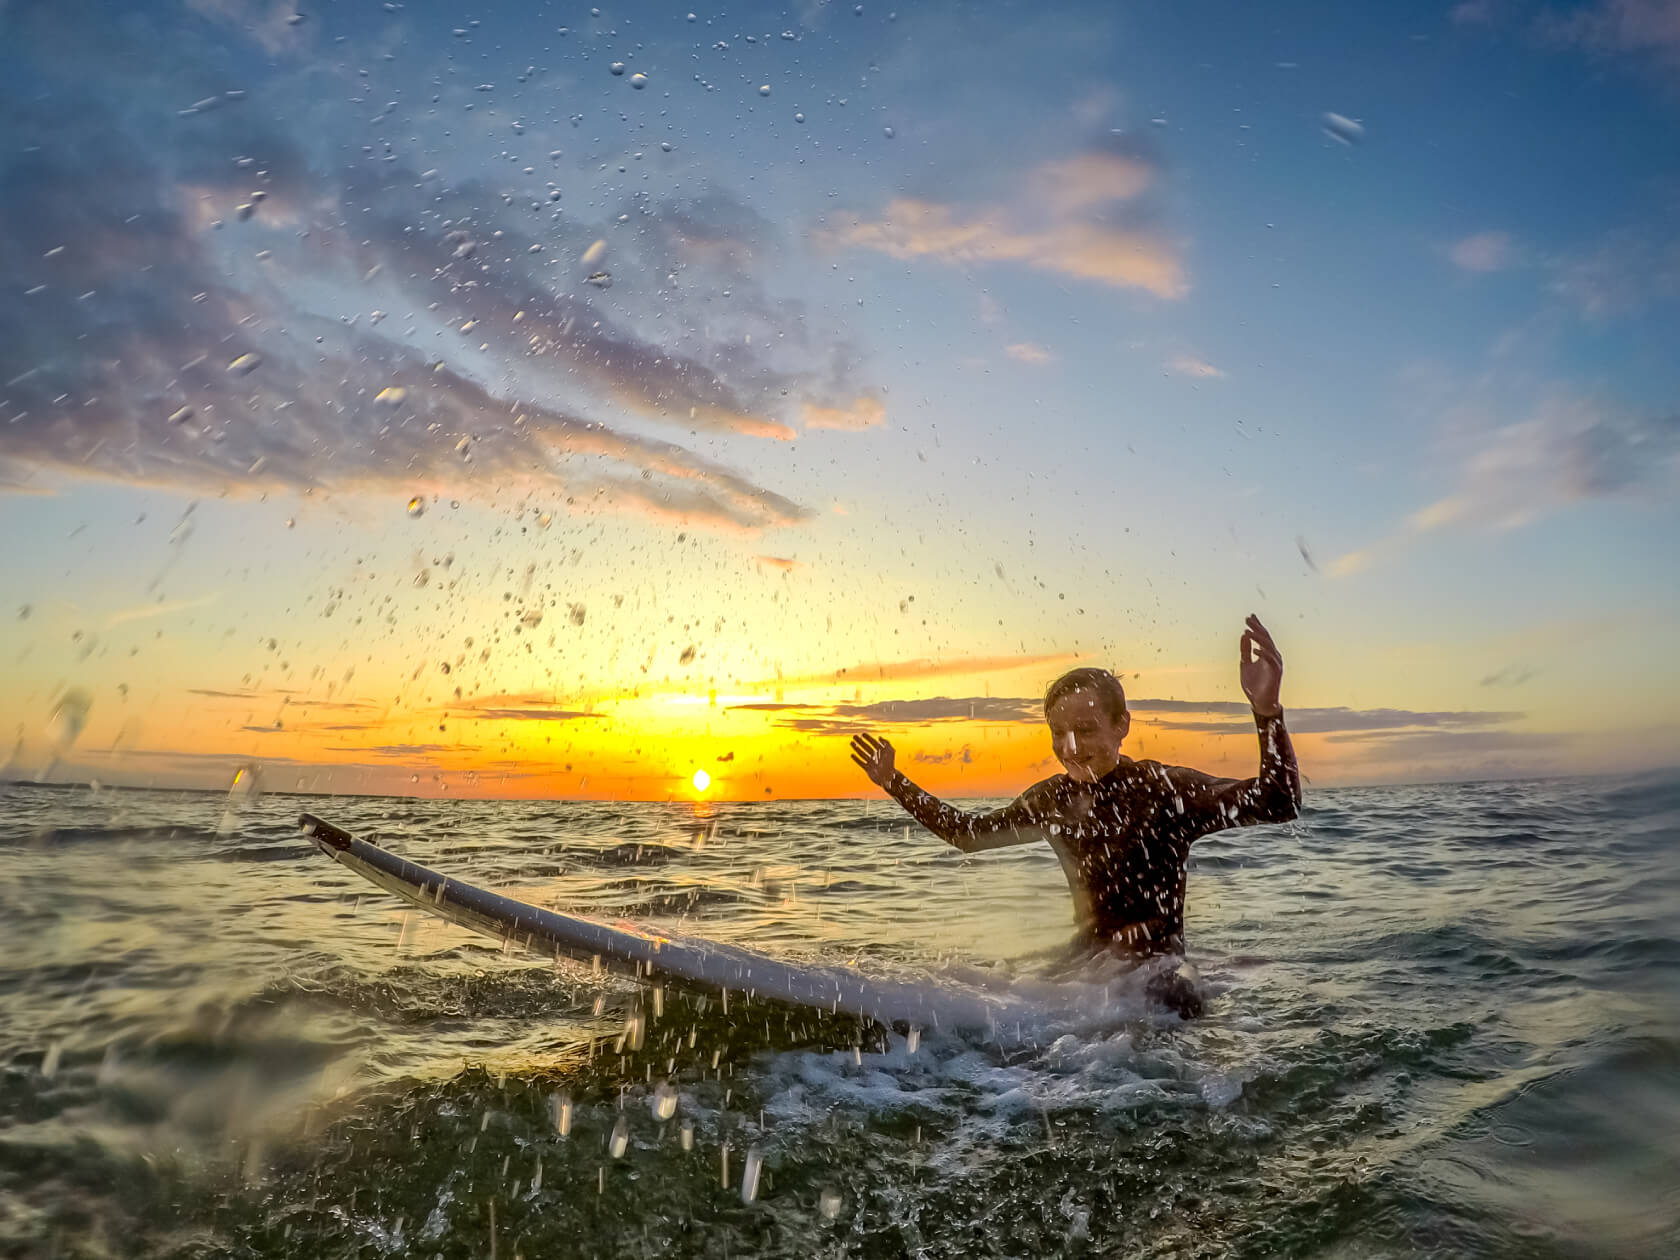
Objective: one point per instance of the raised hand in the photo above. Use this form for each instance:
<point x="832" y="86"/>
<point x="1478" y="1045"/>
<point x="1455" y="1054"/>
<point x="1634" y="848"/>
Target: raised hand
<point x="875" y="756"/>
<point x="1262" y="668"/>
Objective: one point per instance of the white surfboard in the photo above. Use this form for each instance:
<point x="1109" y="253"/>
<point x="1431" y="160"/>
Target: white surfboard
<point x="649" y="955"/>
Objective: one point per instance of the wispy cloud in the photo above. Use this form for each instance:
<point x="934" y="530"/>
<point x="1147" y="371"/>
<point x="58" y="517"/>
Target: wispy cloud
<point x="1569" y="451"/>
<point x="534" y="715"/>
<point x="1030" y="352"/>
<point x="1190" y="365"/>
<point x="863" y="412"/>
<point x="1510" y="676"/>
<point x="1474" y="12"/>
<point x="1620" y="275"/>
<point x="1344" y="721"/>
<point x="1484" y="251"/>
<point x="1623" y="26"/>
<point x="410" y="750"/>
<point x="783" y="563"/>
<point x="900" y="671"/>
<point x="914" y="712"/>
<point x="1080" y="216"/>
<point x="162" y="608"/>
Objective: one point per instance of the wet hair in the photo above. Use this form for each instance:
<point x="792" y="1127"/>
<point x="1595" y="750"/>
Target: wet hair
<point x="1099" y="682"/>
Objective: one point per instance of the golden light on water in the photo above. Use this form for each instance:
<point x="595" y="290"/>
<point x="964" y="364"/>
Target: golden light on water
<point x="702" y="780"/>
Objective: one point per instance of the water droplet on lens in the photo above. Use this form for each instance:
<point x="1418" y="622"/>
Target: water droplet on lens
<point x="68" y="718"/>
<point x="764" y="90"/>
<point x="888" y="132"/>
<point x="182" y="416"/>
<point x="799" y="118"/>
<point x="600" y="279"/>
<point x="638" y="81"/>
<point x="664" y="146"/>
<point x="245" y="364"/>
<point x="416" y="506"/>
<point x="1342" y="130"/>
<point x="391" y="395"/>
<point x="617" y="67"/>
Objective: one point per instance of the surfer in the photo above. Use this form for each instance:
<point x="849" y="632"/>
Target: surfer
<point x="1122" y="829"/>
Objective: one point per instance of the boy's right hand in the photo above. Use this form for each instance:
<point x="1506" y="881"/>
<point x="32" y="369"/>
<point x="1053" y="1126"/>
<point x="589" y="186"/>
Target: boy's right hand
<point x="876" y="758"/>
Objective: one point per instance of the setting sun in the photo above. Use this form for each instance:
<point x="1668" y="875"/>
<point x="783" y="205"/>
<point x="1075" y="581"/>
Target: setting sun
<point x="702" y="780"/>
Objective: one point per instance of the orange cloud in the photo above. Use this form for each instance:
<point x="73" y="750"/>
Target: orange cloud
<point x="1074" y="184"/>
<point x="898" y="671"/>
<point x="1136" y="258"/>
<point x="863" y="413"/>
<point x="1029" y="352"/>
<point x="1190" y="365"/>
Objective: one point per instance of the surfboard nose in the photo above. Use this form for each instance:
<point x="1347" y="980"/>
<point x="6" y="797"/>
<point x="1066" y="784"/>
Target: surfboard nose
<point x="323" y="833"/>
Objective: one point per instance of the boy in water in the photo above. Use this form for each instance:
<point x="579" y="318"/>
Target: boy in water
<point x="1122" y="829"/>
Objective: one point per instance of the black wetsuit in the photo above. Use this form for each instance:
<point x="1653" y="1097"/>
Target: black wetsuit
<point x="1124" y="839"/>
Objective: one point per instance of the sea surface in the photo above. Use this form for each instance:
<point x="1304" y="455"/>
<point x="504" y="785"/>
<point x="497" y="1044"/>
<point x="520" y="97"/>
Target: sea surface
<point x="1442" y="1021"/>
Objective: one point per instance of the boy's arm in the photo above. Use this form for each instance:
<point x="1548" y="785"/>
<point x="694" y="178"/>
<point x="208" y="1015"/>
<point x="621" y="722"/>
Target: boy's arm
<point x="1019" y="822"/>
<point x="1272" y="796"/>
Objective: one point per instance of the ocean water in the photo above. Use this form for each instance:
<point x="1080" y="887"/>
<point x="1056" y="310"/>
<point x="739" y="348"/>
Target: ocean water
<point x="1442" y="1021"/>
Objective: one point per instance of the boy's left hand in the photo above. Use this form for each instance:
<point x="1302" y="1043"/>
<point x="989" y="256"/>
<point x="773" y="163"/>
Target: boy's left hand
<point x="1262" y="668"/>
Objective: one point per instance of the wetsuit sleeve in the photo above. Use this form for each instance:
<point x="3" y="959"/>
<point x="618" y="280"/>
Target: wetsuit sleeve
<point x="1020" y="822"/>
<point x="1209" y="803"/>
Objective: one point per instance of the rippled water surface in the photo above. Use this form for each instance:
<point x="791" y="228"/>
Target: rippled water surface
<point x="1442" y="1021"/>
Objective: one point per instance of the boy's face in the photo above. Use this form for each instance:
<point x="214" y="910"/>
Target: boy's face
<point x="1085" y="737"/>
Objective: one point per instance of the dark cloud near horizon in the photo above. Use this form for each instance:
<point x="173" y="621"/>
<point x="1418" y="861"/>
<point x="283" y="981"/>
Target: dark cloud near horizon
<point x="1324" y="721"/>
<point x="1448" y="742"/>
<point x="852" y="718"/>
<point x="406" y="750"/>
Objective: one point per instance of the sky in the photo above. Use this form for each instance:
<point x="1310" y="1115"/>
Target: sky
<point x="548" y="401"/>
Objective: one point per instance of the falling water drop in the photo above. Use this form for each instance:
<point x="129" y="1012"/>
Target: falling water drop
<point x="561" y="1107"/>
<point x="750" y="1170"/>
<point x="664" y="1101"/>
<point x="830" y="1201"/>
<point x="620" y="1141"/>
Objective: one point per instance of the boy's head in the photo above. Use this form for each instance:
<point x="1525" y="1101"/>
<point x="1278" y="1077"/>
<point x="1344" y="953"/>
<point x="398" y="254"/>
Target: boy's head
<point x="1086" y="710"/>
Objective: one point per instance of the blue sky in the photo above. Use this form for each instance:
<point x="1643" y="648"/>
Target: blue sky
<point x="1091" y="328"/>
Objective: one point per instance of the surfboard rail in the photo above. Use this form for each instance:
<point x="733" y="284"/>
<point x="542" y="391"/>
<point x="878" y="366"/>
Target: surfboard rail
<point x="648" y="955"/>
